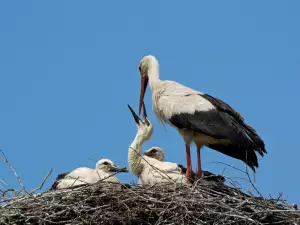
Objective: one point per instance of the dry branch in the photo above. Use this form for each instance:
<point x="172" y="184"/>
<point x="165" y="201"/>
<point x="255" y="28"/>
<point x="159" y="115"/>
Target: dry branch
<point x="208" y="202"/>
<point x="5" y="160"/>
<point x="104" y="203"/>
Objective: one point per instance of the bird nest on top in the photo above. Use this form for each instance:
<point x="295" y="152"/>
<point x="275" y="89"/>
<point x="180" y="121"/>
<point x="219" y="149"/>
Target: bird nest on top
<point x="104" y="203"/>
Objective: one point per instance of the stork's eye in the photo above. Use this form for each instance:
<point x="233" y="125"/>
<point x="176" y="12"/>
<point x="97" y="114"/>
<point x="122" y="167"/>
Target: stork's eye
<point x="105" y="163"/>
<point x="153" y="150"/>
<point x="140" y="68"/>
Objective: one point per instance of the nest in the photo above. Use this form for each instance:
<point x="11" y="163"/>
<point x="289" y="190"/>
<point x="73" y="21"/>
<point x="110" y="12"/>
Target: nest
<point x="104" y="203"/>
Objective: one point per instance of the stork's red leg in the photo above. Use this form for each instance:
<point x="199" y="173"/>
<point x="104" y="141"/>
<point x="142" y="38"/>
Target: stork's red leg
<point x="188" y="163"/>
<point x="199" y="169"/>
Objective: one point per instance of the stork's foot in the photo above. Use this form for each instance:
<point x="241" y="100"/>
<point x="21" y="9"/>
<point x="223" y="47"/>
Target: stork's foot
<point x="199" y="175"/>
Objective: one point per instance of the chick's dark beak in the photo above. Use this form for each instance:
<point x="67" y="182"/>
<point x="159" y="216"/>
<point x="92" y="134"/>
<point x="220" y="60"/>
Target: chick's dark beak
<point x="145" y="114"/>
<point x="116" y="169"/>
<point x="124" y="170"/>
<point x="144" y="111"/>
<point x="135" y="116"/>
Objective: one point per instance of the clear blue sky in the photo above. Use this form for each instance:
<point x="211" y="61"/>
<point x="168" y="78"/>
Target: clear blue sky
<point x="68" y="69"/>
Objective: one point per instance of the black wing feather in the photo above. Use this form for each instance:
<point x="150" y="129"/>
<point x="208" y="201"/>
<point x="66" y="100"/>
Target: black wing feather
<point x="58" y="178"/>
<point x="222" y="106"/>
<point x="227" y="124"/>
<point x="183" y="171"/>
<point x="219" y="104"/>
<point x="206" y="175"/>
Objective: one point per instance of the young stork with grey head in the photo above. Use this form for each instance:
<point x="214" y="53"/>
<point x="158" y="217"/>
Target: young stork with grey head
<point x="158" y="154"/>
<point x="149" y="166"/>
<point x="155" y="153"/>
<point x="105" y="171"/>
<point x="199" y="118"/>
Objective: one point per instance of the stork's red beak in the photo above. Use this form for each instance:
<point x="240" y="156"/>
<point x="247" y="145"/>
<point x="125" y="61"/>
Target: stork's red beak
<point x="144" y="82"/>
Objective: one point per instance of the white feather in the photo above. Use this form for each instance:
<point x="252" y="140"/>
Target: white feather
<point x="172" y="98"/>
<point x="161" y="172"/>
<point x="85" y="175"/>
<point x="151" y="171"/>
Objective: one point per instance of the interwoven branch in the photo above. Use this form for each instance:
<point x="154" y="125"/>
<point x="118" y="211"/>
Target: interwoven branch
<point x="208" y="202"/>
<point x="105" y="203"/>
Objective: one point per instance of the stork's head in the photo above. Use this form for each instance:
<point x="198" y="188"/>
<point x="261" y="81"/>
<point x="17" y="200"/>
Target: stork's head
<point x="108" y="166"/>
<point x="147" y="63"/>
<point x="145" y="128"/>
<point x="155" y="153"/>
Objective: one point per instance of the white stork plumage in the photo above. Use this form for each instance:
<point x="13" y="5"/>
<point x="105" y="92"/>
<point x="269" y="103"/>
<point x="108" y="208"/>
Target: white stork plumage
<point x="150" y="170"/>
<point x="105" y="170"/>
<point x="199" y="118"/>
<point x="155" y="153"/>
<point x="158" y="154"/>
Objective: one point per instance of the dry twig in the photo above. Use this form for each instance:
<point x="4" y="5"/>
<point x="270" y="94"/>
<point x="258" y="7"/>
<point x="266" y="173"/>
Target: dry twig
<point x="105" y="203"/>
<point x="209" y="202"/>
<point x="4" y="159"/>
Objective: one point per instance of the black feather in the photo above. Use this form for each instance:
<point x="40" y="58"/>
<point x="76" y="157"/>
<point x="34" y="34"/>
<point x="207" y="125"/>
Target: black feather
<point x="183" y="171"/>
<point x="205" y="175"/>
<point x="237" y="139"/>
<point x="248" y="156"/>
<point x="58" y="178"/>
<point x="222" y="106"/>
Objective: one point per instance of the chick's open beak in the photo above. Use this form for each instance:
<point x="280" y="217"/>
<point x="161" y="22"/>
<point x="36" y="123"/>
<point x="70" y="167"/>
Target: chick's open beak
<point x="145" y="114"/>
<point x="136" y="117"/>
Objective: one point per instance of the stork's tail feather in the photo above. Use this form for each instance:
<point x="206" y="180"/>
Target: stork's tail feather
<point x="246" y="155"/>
<point x="258" y="143"/>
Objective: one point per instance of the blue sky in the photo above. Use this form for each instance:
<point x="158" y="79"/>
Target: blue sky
<point x="68" y="69"/>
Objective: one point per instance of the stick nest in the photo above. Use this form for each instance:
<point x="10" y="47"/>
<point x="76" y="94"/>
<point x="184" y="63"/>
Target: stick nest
<point x="104" y="203"/>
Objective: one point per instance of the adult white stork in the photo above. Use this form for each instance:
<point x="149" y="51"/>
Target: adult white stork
<point x="199" y="118"/>
<point x="105" y="170"/>
<point x="150" y="170"/>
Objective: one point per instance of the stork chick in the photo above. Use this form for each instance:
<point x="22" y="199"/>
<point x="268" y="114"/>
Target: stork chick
<point x="158" y="154"/>
<point x="105" y="170"/>
<point x="155" y="153"/>
<point x="150" y="170"/>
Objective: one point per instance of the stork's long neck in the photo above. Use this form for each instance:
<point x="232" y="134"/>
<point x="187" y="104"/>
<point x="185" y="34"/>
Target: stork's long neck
<point x="134" y="155"/>
<point x="153" y="75"/>
<point x="156" y="86"/>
